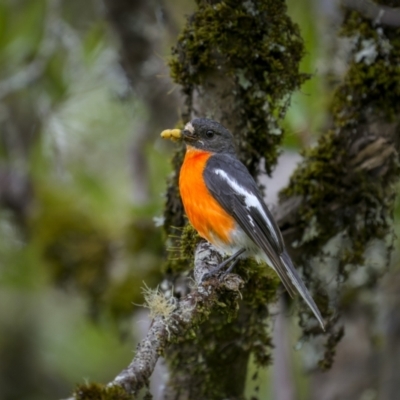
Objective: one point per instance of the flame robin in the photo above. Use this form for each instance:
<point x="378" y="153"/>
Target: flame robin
<point x="225" y="206"/>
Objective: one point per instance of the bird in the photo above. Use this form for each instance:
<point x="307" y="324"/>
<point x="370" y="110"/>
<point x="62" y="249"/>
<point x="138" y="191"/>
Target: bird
<point x="224" y="204"/>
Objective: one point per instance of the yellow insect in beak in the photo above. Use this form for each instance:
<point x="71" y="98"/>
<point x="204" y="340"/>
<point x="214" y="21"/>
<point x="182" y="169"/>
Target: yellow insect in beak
<point x="173" y="134"/>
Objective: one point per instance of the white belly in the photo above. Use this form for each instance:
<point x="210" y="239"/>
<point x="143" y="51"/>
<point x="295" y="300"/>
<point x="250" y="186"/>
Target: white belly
<point x="240" y="240"/>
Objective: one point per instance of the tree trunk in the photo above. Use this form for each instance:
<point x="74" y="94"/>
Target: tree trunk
<point x="237" y="80"/>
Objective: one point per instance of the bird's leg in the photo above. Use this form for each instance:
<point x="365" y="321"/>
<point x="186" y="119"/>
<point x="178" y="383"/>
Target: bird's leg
<point x="233" y="257"/>
<point x="231" y="266"/>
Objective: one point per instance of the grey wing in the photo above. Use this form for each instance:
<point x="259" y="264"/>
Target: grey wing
<point x="230" y="183"/>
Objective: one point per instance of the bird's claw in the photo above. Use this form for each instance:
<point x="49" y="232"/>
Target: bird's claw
<point x="210" y="274"/>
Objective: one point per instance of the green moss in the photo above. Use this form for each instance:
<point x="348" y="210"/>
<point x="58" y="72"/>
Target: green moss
<point x="190" y="239"/>
<point x="372" y="78"/>
<point x="95" y="391"/>
<point x="181" y="249"/>
<point x="261" y="290"/>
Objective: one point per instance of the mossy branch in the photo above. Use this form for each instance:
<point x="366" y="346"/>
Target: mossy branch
<point x="168" y="328"/>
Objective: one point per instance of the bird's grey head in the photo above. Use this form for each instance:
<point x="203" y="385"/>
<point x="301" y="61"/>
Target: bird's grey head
<point x="206" y="134"/>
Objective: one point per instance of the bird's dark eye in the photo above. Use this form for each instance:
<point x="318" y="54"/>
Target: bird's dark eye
<point x="210" y="134"/>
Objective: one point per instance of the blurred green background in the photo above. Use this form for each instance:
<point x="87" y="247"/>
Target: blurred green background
<point x="78" y="232"/>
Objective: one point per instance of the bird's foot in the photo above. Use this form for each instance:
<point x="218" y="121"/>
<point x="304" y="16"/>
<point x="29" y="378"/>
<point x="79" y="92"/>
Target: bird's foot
<point x="213" y="272"/>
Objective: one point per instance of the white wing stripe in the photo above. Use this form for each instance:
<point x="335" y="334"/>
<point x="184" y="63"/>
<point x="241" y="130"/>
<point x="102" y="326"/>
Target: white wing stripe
<point x="250" y="199"/>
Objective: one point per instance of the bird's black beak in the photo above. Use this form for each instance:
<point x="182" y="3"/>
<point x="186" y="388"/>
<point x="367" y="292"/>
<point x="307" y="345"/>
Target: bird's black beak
<point x="188" y="135"/>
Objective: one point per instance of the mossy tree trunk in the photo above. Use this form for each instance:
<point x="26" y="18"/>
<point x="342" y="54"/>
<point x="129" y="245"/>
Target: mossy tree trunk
<point x="337" y="210"/>
<point x="235" y="66"/>
<point x="366" y="148"/>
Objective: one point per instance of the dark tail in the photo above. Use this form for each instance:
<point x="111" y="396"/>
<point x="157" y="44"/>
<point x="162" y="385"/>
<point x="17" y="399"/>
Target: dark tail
<point x="291" y="280"/>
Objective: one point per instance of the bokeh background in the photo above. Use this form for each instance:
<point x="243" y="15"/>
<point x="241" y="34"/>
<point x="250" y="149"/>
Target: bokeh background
<point x="82" y="180"/>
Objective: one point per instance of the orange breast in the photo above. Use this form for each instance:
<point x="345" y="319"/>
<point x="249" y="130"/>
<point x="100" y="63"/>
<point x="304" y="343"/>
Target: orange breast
<point x="204" y="213"/>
